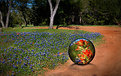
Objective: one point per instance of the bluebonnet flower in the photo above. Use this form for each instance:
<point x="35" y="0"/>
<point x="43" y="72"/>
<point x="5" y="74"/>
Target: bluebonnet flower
<point x="32" y="70"/>
<point x="63" y="58"/>
<point x="58" y="55"/>
<point x="3" y="62"/>
<point x="21" y="66"/>
<point x="17" y="62"/>
<point x="33" y="50"/>
<point x="30" y="67"/>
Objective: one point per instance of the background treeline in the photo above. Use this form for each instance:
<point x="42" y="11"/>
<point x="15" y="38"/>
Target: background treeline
<point x="77" y="12"/>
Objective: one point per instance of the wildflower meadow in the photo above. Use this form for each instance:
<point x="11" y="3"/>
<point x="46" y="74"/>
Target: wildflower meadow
<point x="32" y="52"/>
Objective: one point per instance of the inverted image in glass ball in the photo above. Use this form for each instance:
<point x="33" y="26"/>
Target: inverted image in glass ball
<point x="81" y="51"/>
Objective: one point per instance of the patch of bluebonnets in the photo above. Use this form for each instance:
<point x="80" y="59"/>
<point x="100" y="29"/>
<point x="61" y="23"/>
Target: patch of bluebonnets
<point x="31" y="51"/>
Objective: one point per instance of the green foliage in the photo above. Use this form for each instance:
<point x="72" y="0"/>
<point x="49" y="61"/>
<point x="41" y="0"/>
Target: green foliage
<point x="85" y="12"/>
<point x="104" y="12"/>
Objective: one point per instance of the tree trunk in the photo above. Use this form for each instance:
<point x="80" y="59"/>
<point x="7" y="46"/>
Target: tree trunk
<point x="72" y="18"/>
<point x="51" y="22"/>
<point x="2" y="24"/>
<point x="53" y="12"/>
<point x="1" y="20"/>
<point x="80" y="17"/>
<point x="24" y="17"/>
<point x="8" y="14"/>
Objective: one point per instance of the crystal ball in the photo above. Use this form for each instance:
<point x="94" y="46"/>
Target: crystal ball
<point x="81" y="51"/>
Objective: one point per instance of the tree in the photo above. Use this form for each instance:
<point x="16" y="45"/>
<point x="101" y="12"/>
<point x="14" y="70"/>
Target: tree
<point x="23" y="9"/>
<point x="40" y="13"/>
<point x="3" y="3"/>
<point x="53" y="12"/>
<point x="103" y="12"/>
<point x="69" y="12"/>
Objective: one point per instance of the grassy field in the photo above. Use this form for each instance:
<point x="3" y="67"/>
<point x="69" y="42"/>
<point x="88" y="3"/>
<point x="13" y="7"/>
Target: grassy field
<point x="31" y="51"/>
<point x="66" y="25"/>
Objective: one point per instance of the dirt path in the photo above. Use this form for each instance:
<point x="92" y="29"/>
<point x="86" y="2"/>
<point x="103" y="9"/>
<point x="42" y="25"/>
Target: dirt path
<point x="107" y="61"/>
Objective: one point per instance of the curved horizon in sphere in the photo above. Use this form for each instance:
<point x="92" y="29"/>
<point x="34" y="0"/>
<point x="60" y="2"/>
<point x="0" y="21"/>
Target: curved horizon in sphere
<point x="81" y="51"/>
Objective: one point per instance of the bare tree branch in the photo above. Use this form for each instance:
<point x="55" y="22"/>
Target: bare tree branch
<point x="56" y="7"/>
<point x="51" y="8"/>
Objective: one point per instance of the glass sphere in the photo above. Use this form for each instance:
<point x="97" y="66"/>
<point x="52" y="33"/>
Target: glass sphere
<point x="81" y="51"/>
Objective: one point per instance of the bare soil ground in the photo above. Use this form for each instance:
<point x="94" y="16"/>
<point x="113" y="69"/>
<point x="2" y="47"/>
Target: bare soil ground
<point x="107" y="60"/>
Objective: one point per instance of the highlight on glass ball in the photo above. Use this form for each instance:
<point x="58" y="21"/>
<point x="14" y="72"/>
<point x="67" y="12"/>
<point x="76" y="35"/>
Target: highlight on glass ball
<point x="81" y="51"/>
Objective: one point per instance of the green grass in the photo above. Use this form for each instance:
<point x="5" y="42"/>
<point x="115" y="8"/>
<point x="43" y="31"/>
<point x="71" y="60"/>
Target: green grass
<point x="18" y="29"/>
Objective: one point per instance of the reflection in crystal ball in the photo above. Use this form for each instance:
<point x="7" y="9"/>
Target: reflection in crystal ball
<point x="81" y="51"/>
